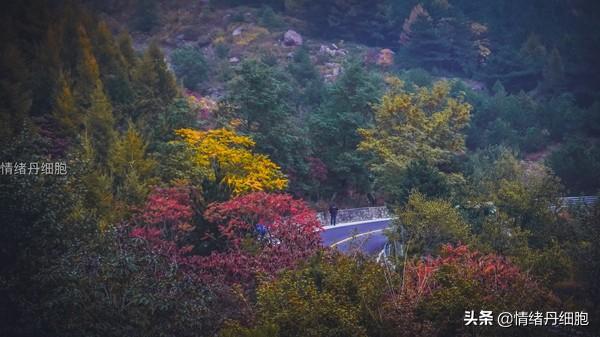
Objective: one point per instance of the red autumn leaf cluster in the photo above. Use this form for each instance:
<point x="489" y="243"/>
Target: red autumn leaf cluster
<point x="265" y="233"/>
<point x="165" y="220"/>
<point x="440" y="289"/>
<point x="494" y="273"/>
<point x="168" y="207"/>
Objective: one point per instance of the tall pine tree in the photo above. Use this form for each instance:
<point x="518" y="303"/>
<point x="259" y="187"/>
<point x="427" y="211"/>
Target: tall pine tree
<point x="88" y="72"/>
<point x="113" y="66"/>
<point x="65" y="110"/>
<point x="130" y="166"/>
<point x="155" y="86"/>
<point x="553" y="73"/>
<point x="100" y="123"/>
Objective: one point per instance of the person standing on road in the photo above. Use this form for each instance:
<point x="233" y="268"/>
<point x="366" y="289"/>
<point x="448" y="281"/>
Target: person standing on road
<point x="333" y="213"/>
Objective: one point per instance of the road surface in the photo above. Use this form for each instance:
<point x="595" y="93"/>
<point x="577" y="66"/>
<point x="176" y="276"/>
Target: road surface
<point x="367" y="236"/>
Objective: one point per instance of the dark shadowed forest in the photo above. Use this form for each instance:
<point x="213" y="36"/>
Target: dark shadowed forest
<point x="172" y="168"/>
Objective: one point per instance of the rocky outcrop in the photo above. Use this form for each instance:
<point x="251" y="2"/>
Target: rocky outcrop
<point x="248" y="33"/>
<point x="330" y="71"/>
<point x="292" y="38"/>
<point x="332" y="51"/>
<point x="385" y="58"/>
<point x="237" y="31"/>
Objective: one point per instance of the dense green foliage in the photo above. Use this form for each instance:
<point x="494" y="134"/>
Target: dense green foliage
<point x="517" y="43"/>
<point x="261" y="97"/>
<point x="146" y="16"/>
<point x="190" y="66"/>
<point x="347" y="106"/>
<point x="332" y="295"/>
<point x="577" y="163"/>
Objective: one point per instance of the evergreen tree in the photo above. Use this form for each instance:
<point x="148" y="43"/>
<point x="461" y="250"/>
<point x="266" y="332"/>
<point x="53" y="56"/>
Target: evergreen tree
<point x="577" y="163"/>
<point x="418" y="176"/>
<point x="65" y="111"/>
<point x="98" y="197"/>
<point x="177" y="115"/>
<point x="511" y="69"/>
<point x="130" y="166"/>
<point x="346" y="107"/>
<point x="190" y="66"/>
<point x="440" y="43"/>
<point x="554" y="72"/>
<point x="372" y="23"/>
<point x="307" y="77"/>
<point x="155" y="85"/>
<point x="126" y="48"/>
<point x="261" y="96"/>
<point x="88" y="72"/>
<point x="15" y="95"/>
<point x="100" y="124"/>
<point x="69" y="34"/>
<point x="113" y="66"/>
<point x="46" y="67"/>
<point x="498" y="89"/>
<point x="302" y="68"/>
<point x="533" y="50"/>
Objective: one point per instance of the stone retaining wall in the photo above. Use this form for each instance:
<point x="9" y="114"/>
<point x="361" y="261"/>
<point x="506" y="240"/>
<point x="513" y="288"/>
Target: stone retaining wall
<point x="355" y="214"/>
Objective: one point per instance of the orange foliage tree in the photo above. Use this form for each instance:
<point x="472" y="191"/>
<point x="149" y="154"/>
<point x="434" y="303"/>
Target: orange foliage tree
<point x="436" y="292"/>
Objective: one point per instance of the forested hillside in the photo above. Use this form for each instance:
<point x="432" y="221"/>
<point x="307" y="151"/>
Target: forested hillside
<point x="163" y="163"/>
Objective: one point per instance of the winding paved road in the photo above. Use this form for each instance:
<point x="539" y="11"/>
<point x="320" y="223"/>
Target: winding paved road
<point x="367" y="236"/>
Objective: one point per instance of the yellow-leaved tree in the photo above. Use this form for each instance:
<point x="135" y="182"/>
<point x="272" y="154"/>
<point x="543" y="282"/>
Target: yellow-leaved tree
<point x="416" y="133"/>
<point x="426" y="124"/>
<point x="222" y="156"/>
